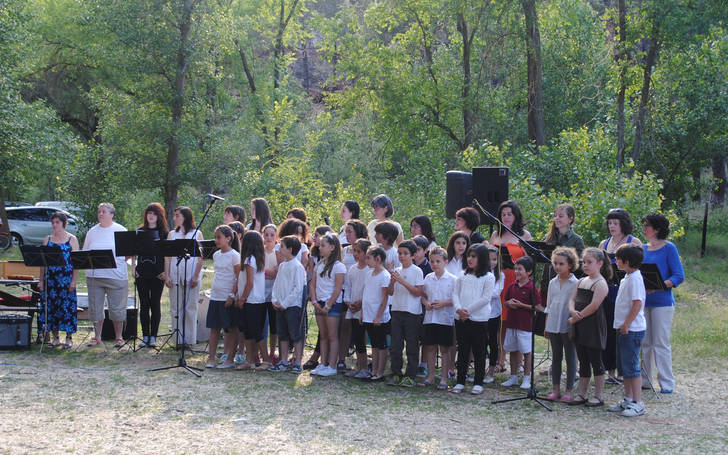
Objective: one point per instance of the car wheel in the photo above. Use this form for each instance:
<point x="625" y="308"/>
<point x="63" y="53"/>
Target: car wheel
<point x="17" y="239"/>
<point x="5" y="241"/>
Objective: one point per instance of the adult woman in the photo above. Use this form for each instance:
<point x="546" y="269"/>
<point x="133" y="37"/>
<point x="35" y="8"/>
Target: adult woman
<point x="619" y="226"/>
<point x="660" y="305"/>
<point x="467" y="220"/>
<point x="561" y="234"/>
<point x="349" y="211"/>
<point x="259" y="214"/>
<point x="182" y="276"/>
<point x="421" y="225"/>
<point x="106" y="283"/>
<point x="510" y="215"/>
<point x="149" y="274"/>
<point x="383" y="210"/>
<point x="60" y="295"/>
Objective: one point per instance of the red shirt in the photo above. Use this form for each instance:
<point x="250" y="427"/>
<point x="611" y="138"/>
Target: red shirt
<point x="521" y="318"/>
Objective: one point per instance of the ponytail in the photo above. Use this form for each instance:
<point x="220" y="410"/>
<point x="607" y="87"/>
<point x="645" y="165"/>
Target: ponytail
<point x="600" y="255"/>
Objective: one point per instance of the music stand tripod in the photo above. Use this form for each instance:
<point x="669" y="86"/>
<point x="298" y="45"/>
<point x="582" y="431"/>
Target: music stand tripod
<point x="43" y="256"/>
<point x="532" y="394"/>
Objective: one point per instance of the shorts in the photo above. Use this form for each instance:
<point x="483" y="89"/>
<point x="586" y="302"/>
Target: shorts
<point x="336" y="310"/>
<point x="253" y="321"/>
<point x="377" y="334"/>
<point x="100" y="289"/>
<point x="628" y="354"/>
<point x="517" y="340"/>
<point x="437" y="334"/>
<point x="219" y="317"/>
<point x="290" y="327"/>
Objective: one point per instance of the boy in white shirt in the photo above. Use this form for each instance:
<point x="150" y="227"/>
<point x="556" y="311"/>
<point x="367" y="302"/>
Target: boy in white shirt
<point x="286" y="298"/>
<point x="375" y="311"/>
<point x="405" y="289"/>
<point x="629" y="320"/>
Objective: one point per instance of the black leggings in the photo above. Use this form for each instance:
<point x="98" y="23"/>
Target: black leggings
<point x="491" y="339"/>
<point x="590" y="359"/>
<point x="471" y="337"/>
<point x="150" y="294"/>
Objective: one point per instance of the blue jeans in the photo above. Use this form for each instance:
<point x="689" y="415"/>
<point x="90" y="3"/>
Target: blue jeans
<point x="628" y="353"/>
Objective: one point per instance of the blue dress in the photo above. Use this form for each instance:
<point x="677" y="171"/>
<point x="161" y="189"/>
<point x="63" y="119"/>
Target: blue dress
<point x="62" y="304"/>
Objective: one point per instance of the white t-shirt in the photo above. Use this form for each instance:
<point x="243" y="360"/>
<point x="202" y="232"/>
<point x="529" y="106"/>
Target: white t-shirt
<point x="326" y="284"/>
<point x="440" y="289"/>
<point x="271" y="261"/>
<point x="632" y="287"/>
<point x="354" y="287"/>
<point x="372" y="234"/>
<point x="257" y="294"/>
<point x="102" y="238"/>
<point x="557" y="304"/>
<point x="304" y="249"/>
<point x="401" y="299"/>
<point x="495" y="302"/>
<point x="224" y="279"/>
<point x="455" y="266"/>
<point x="372" y="296"/>
<point x="289" y="283"/>
<point x="177" y="271"/>
<point x="392" y="258"/>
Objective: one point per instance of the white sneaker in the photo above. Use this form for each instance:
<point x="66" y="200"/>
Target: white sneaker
<point x="634" y="410"/>
<point x="621" y="406"/>
<point x="489" y="380"/>
<point x="328" y="371"/>
<point x="458" y="388"/>
<point x="319" y="368"/>
<point x="477" y="390"/>
<point x="526" y="384"/>
<point x="223" y="358"/>
<point x="513" y="380"/>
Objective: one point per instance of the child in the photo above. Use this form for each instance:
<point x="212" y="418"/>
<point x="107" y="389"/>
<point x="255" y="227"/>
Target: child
<point x="353" y="230"/>
<point x="457" y="245"/>
<point x="471" y="300"/>
<point x="386" y="234"/>
<point x="420" y="256"/>
<point x="328" y="302"/>
<point x="313" y="258"/>
<point x="439" y="316"/>
<point x="354" y="288"/>
<point x="220" y="314"/>
<point x="590" y="323"/>
<point x="519" y="298"/>
<point x="286" y="299"/>
<point x="493" y="335"/>
<point x="233" y="213"/>
<point x="405" y="289"/>
<point x="252" y="297"/>
<point x="629" y="320"/>
<point x="374" y="309"/>
<point x="564" y="261"/>
<point x="270" y="271"/>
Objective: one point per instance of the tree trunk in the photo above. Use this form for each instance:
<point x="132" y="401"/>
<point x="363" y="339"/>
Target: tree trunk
<point x="644" y="97"/>
<point x="717" y="196"/>
<point x="622" y="62"/>
<point x="536" y="122"/>
<point x="3" y="214"/>
<point x="467" y="112"/>
<point x="171" y="182"/>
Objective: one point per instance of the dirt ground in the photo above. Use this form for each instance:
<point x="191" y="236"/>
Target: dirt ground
<point x="97" y="401"/>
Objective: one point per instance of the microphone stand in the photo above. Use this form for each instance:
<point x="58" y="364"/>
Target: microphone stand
<point x="532" y="393"/>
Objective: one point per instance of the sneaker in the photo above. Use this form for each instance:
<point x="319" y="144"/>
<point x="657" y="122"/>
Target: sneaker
<point x="362" y="374"/>
<point x="421" y="372"/>
<point x="328" y="371"/>
<point x="477" y="390"/>
<point x="513" y="380"/>
<point x="394" y="380"/>
<point x="317" y="371"/>
<point x="526" y="384"/>
<point x="351" y="373"/>
<point x="239" y="358"/>
<point x="635" y="409"/>
<point x="489" y="380"/>
<point x="407" y="382"/>
<point x="223" y="358"/>
<point x="280" y="366"/>
<point x="295" y="369"/>
<point x="666" y="391"/>
<point x="458" y="388"/>
<point x="621" y="406"/>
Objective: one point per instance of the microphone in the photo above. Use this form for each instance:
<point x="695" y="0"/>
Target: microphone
<point x="212" y="196"/>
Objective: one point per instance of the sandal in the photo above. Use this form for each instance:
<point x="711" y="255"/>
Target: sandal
<point x="94" y="342"/>
<point x="567" y="398"/>
<point x="425" y="383"/>
<point x="56" y="342"/>
<point x="554" y="397"/>
<point x="579" y="400"/>
<point x="68" y="344"/>
<point x="594" y="404"/>
<point x="442" y="386"/>
<point x="119" y="343"/>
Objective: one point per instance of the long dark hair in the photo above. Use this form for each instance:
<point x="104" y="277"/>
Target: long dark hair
<point x="451" y="244"/>
<point x="157" y="209"/>
<point x="228" y="232"/>
<point x="353" y="207"/>
<point x="481" y="252"/>
<point x="425" y="225"/>
<point x="262" y="213"/>
<point x="253" y="246"/>
<point x="291" y="227"/>
<point x="321" y="231"/>
<point x="497" y="271"/>
<point x="518" y="223"/>
<point x="335" y="255"/>
<point x="189" y="219"/>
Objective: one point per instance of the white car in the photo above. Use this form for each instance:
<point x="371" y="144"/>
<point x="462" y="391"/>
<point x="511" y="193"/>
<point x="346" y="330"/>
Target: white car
<point x="30" y="225"/>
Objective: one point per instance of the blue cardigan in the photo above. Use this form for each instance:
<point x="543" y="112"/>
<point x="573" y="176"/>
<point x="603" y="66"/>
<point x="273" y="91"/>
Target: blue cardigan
<point x="667" y="260"/>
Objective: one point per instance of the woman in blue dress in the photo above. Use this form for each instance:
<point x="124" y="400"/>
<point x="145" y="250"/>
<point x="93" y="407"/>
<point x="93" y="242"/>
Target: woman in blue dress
<point x="58" y="285"/>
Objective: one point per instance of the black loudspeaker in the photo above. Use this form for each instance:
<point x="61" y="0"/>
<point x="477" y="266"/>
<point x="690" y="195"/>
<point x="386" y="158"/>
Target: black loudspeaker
<point x="15" y="331"/>
<point x="490" y="188"/>
<point x="130" y="326"/>
<point x="459" y="191"/>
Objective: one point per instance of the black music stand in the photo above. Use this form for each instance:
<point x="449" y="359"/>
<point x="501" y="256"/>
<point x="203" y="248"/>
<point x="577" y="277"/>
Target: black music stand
<point x="92" y="259"/>
<point x="208" y="248"/>
<point x="43" y="256"/>
<point x="652" y="277"/>
<point x="547" y="249"/>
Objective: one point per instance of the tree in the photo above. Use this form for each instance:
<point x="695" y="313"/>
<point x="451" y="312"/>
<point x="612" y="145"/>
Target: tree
<point x="536" y="123"/>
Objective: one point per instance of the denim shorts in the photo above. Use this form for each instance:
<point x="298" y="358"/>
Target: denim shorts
<point x="628" y="353"/>
<point x="336" y="310"/>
